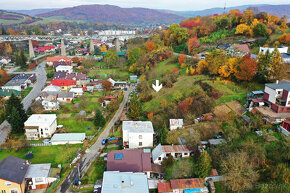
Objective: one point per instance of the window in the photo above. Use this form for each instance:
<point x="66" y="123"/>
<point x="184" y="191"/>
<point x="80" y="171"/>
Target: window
<point x="140" y="143"/>
<point x="279" y="92"/>
<point x="185" y="153"/>
<point x="14" y="190"/>
<point x="38" y="180"/>
<point x="8" y="183"/>
<point x="159" y="158"/>
<point x="140" y="136"/>
<point x="288" y="102"/>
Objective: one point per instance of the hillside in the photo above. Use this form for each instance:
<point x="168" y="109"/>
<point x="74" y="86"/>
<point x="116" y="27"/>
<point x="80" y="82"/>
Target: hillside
<point x="33" y="12"/>
<point x="279" y="10"/>
<point x="11" y="18"/>
<point x="113" y="14"/>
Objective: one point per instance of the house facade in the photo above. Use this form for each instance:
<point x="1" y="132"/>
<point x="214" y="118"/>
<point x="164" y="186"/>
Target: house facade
<point x="40" y="126"/>
<point x="282" y="50"/>
<point x="162" y="152"/>
<point x="64" y="83"/>
<point x="61" y="68"/>
<point x="137" y="134"/>
<point x="175" y="124"/>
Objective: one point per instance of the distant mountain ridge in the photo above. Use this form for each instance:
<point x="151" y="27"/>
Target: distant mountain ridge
<point x="113" y="14"/>
<point x="33" y="12"/>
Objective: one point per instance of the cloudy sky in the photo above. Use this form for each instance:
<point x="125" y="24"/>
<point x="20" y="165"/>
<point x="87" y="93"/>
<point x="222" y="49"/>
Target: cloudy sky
<point x="156" y="4"/>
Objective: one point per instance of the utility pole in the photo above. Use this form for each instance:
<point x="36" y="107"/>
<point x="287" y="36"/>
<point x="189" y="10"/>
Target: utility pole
<point x="225" y="7"/>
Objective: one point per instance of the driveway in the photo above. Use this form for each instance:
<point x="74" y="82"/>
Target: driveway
<point x="93" y="152"/>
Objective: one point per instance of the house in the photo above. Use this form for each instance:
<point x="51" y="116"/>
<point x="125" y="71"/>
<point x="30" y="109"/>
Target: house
<point x="120" y="84"/>
<point x="38" y="176"/>
<point x="98" y="84"/>
<point x="161" y="152"/>
<point x="79" y="77"/>
<point x="183" y="186"/>
<point x="277" y="97"/>
<point x="50" y="104"/>
<point x="40" y="126"/>
<point x="130" y="160"/>
<point x="67" y="69"/>
<point x="63" y="83"/>
<point x="137" y="134"/>
<point x="52" y="88"/>
<point x="12" y="175"/>
<point x="59" y="75"/>
<point x="175" y="124"/>
<point x="65" y="96"/>
<point x="59" y="63"/>
<point x="124" y="182"/>
<point x="19" y="82"/>
<point x="285" y="128"/>
<point x="6" y="93"/>
<point x="239" y="49"/>
<point x="282" y="50"/>
<point x="50" y="60"/>
<point x="67" y="138"/>
<point x="77" y="91"/>
<point x="112" y="81"/>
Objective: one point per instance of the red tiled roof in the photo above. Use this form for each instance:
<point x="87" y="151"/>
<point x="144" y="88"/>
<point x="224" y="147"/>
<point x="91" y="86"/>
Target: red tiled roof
<point x="214" y="172"/>
<point x="63" y="82"/>
<point x="133" y="160"/>
<point x="192" y="183"/>
<point x="58" y="58"/>
<point x="164" y="187"/>
<point x="111" y="97"/>
<point x="242" y="47"/>
<point x="175" y="148"/>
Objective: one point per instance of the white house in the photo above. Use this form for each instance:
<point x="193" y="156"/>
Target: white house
<point x="137" y="134"/>
<point x="61" y="68"/>
<point x="50" y="105"/>
<point x="282" y="50"/>
<point x="52" y="88"/>
<point x="161" y="152"/>
<point x="67" y="138"/>
<point x="175" y="124"/>
<point x="38" y="176"/>
<point x="77" y="91"/>
<point x="40" y="126"/>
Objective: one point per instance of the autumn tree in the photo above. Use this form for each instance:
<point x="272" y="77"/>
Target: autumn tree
<point x="238" y="172"/>
<point x="202" y="67"/>
<point x="243" y="29"/>
<point x="193" y="43"/>
<point x="228" y="68"/>
<point x="214" y="60"/>
<point x="75" y="60"/>
<point x="107" y="85"/>
<point x="181" y="59"/>
<point x="135" y="108"/>
<point x="103" y="48"/>
<point x="285" y="38"/>
<point x="277" y="68"/>
<point x="263" y="63"/>
<point x="246" y="68"/>
<point x="111" y="58"/>
<point x="150" y="46"/>
<point x="113" y="105"/>
<point x="248" y="16"/>
<point x="89" y="62"/>
<point x="4" y="76"/>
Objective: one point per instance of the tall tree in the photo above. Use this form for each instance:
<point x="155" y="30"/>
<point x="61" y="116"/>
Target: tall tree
<point x="16" y="122"/>
<point x="107" y="85"/>
<point x="263" y="61"/>
<point x="277" y="68"/>
<point x="203" y="165"/>
<point x="133" y="55"/>
<point x="111" y="59"/>
<point x="246" y="68"/>
<point x="99" y="120"/>
<point x="193" y="43"/>
<point x="260" y="30"/>
<point x="135" y="108"/>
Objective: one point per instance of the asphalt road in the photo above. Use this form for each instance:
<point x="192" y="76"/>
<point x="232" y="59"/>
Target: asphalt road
<point x="93" y="152"/>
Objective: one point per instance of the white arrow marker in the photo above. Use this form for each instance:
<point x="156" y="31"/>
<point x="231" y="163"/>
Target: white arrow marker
<point x="157" y="87"/>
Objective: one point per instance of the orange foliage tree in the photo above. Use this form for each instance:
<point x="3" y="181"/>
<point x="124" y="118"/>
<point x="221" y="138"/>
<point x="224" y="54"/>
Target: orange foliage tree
<point x="246" y="68"/>
<point x="150" y="46"/>
<point x="181" y="59"/>
<point x="150" y="116"/>
<point x="285" y="38"/>
<point x="193" y="43"/>
<point x="75" y="59"/>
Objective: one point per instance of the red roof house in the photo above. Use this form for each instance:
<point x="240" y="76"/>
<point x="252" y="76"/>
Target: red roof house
<point x="63" y="82"/>
<point x="164" y="187"/>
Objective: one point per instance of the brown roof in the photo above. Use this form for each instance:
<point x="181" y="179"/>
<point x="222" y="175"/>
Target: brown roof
<point x="242" y="47"/>
<point x="133" y="160"/>
<point x="175" y="148"/>
<point x="76" y="76"/>
<point x="192" y="183"/>
<point x="214" y="172"/>
<point x="157" y="169"/>
<point x="164" y="187"/>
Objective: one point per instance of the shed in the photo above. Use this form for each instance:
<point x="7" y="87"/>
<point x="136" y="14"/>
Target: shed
<point x="68" y="138"/>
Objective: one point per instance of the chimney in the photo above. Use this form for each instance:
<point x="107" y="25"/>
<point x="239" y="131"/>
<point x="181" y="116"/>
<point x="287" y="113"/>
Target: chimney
<point x="277" y="81"/>
<point x="123" y="184"/>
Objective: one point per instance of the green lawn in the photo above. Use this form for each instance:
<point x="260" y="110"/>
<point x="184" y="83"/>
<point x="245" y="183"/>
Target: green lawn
<point x="123" y="74"/>
<point x="95" y="172"/>
<point x="61" y="154"/>
<point x="112" y="148"/>
<point x="219" y="187"/>
<point x="161" y="68"/>
<point x="26" y="92"/>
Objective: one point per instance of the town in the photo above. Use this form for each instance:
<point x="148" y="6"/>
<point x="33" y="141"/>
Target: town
<point x="199" y="105"/>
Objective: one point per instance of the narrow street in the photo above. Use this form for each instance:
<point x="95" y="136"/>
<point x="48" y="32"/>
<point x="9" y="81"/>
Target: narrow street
<point x="93" y="152"/>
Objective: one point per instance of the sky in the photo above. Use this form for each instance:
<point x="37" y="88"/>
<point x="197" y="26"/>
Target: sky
<point x="178" y="5"/>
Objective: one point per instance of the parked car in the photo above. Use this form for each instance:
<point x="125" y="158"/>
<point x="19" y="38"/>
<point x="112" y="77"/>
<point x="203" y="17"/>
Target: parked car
<point x="46" y="141"/>
<point x="104" y="141"/>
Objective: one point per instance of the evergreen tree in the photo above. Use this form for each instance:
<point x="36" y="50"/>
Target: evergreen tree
<point x="99" y="120"/>
<point x="16" y="122"/>
<point x="163" y="134"/>
<point x="3" y="31"/>
<point x="21" y="59"/>
<point x="203" y="165"/>
<point x="135" y="108"/>
<point x="97" y="51"/>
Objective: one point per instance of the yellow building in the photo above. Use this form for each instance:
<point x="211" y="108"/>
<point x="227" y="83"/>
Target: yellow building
<point x="12" y="175"/>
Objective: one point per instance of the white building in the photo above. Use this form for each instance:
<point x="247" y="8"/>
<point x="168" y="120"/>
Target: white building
<point x="124" y="182"/>
<point x="282" y="50"/>
<point x="52" y="88"/>
<point x="77" y="91"/>
<point x="38" y="176"/>
<point x="40" y="126"/>
<point x="67" y="138"/>
<point x="161" y="152"/>
<point x="175" y="124"/>
<point x="137" y="134"/>
<point x="61" y="68"/>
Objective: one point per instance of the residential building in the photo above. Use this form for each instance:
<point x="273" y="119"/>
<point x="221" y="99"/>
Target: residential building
<point x="162" y="152"/>
<point x="124" y="182"/>
<point x="19" y="82"/>
<point x="77" y="91"/>
<point x="67" y="69"/>
<point x="40" y="126"/>
<point x="38" y="176"/>
<point x="59" y="75"/>
<point x="239" y="49"/>
<point x="98" y="84"/>
<point x="183" y="186"/>
<point x="285" y="128"/>
<point x="6" y="93"/>
<point x="120" y="84"/>
<point x="277" y="97"/>
<point x="137" y="134"/>
<point x="65" y="97"/>
<point x="50" y="60"/>
<point x="12" y="175"/>
<point x="79" y="77"/>
<point x="63" y="83"/>
<point x="286" y="57"/>
<point x="175" y="124"/>
<point x="67" y="138"/>
<point x="130" y="160"/>
<point x="52" y="88"/>
<point x="50" y="103"/>
<point x="282" y="50"/>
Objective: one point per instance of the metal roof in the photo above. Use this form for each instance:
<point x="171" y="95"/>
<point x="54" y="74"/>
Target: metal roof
<point x="36" y="119"/>
<point x="124" y="182"/>
<point x="192" y="183"/>
<point x="159" y="149"/>
<point x="38" y="170"/>
<point x="138" y="126"/>
<point x="68" y="137"/>
<point x="285" y="86"/>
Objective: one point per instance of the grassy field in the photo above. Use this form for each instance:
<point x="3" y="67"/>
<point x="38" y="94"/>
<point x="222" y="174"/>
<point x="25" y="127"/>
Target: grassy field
<point x="72" y="125"/>
<point x="123" y="74"/>
<point x="55" y="155"/>
<point x="95" y="172"/>
<point x="26" y="92"/>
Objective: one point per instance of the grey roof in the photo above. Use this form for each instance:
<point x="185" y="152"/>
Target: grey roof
<point x="68" y="137"/>
<point x="38" y="170"/>
<point x="13" y="169"/>
<point x="285" y="86"/>
<point x="157" y="151"/>
<point x="216" y="141"/>
<point x="138" y="126"/>
<point x="132" y="182"/>
<point x="15" y="82"/>
<point x="64" y="94"/>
